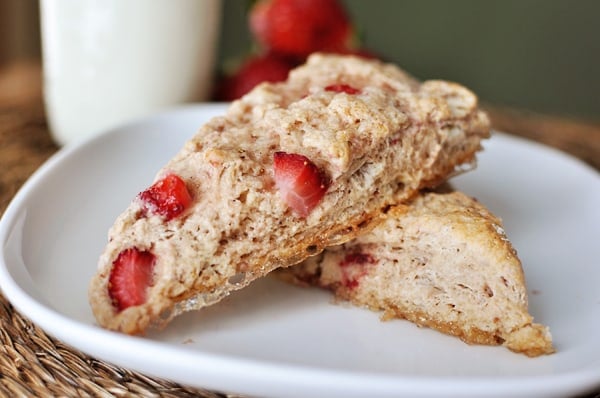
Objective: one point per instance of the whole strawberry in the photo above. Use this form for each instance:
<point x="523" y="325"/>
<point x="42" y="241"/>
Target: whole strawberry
<point x="298" y="28"/>
<point x="256" y="69"/>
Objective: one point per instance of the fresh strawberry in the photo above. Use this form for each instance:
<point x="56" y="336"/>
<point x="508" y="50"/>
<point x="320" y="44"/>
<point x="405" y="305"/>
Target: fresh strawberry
<point x="300" y="183"/>
<point x="130" y="277"/>
<point x="342" y="88"/>
<point x="255" y="70"/>
<point x="300" y="27"/>
<point x="167" y="197"/>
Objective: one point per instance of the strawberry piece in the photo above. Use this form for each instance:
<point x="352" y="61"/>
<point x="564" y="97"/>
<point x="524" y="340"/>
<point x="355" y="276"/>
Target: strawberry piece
<point x="167" y="197"/>
<point x="130" y="277"/>
<point x="299" y="27"/>
<point x="354" y="266"/>
<point x="255" y="70"/>
<point x="342" y="88"/>
<point x="300" y="182"/>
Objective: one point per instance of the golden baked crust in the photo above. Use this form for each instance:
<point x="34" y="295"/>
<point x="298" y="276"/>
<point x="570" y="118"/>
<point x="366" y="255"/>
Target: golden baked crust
<point x="444" y="262"/>
<point x="377" y="148"/>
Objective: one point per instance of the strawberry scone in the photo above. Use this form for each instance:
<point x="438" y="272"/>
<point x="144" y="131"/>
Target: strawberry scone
<point x="446" y="263"/>
<point x="290" y="169"/>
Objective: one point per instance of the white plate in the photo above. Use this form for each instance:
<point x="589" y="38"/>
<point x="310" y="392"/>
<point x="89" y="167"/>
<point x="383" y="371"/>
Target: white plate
<point x="276" y="340"/>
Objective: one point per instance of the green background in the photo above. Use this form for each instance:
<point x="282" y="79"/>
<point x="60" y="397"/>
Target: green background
<point x="541" y="55"/>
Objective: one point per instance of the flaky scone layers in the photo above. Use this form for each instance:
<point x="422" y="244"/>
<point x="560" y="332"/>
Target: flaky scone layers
<point x="444" y="262"/>
<point x="371" y="134"/>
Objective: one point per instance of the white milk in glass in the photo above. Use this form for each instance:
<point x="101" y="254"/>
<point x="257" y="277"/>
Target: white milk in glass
<point x="110" y="61"/>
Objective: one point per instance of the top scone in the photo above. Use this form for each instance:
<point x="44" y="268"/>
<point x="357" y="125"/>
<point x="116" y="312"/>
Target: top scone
<point x="290" y="169"/>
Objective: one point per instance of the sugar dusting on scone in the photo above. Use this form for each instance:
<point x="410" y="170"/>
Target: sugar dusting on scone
<point x="290" y="169"/>
<point x="443" y="262"/>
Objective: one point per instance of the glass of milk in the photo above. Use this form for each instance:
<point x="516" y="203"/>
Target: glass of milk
<point x="106" y="62"/>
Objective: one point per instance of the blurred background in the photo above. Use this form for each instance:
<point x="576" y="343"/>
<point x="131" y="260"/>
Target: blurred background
<point x="539" y="55"/>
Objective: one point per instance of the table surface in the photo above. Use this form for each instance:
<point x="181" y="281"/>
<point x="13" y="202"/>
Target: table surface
<point x="34" y="364"/>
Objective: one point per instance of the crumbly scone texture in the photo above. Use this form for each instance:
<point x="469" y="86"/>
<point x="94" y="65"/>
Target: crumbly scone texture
<point x="377" y="148"/>
<point x="443" y="262"/>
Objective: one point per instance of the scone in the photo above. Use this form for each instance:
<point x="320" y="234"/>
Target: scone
<point x="290" y="169"/>
<point x="445" y="263"/>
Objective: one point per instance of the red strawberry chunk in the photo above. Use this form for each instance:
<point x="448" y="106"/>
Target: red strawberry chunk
<point x="342" y="88"/>
<point x="300" y="182"/>
<point x="130" y="277"/>
<point x="168" y="197"/>
<point x="354" y="266"/>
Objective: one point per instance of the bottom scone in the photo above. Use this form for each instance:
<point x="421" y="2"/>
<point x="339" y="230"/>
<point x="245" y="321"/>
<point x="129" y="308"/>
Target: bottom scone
<point x="445" y="263"/>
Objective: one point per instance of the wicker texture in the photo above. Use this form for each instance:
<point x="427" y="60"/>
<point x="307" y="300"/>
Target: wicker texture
<point x="34" y="364"/>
